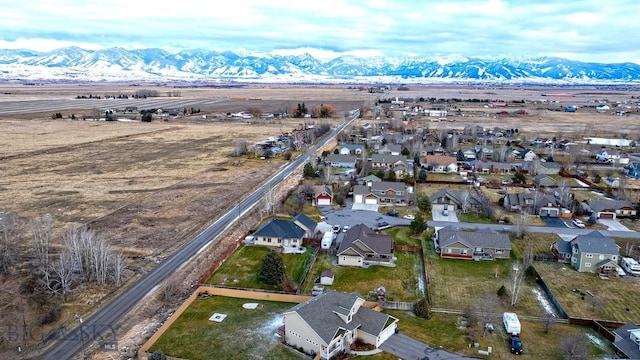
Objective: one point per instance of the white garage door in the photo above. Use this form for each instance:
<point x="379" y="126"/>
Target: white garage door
<point x="387" y="333"/>
<point x="371" y="201"/>
<point x="324" y="202"/>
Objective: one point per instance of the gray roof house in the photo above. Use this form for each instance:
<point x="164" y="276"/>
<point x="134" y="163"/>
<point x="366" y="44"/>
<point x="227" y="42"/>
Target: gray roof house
<point x="610" y="209"/>
<point x="305" y="223"/>
<point x="594" y="252"/>
<point x="341" y="161"/>
<point x="361" y="246"/>
<point x="329" y="323"/>
<point x="482" y="244"/>
<point x="386" y="161"/>
<point x="390" y="149"/>
<point x="627" y="340"/>
<point x="561" y="249"/>
<point x="463" y="200"/>
<point x="351" y="149"/>
<point x="536" y="167"/>
<point x="284" y="233"/>
<point x="544" y="180"/>
<point x="386" y="193"/>
<point x="536" y="203"/>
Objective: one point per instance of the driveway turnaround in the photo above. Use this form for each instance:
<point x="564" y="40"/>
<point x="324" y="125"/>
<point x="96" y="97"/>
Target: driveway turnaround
<point x="404" y="347"/>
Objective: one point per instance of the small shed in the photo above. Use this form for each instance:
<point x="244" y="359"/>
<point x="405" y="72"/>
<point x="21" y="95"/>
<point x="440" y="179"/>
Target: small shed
<point x="326" y="277"/>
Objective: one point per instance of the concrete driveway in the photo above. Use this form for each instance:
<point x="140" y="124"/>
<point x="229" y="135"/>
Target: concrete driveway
<point x="405" y="347"/>
<point x="436" y="212"/>
<point x="613" y="225"/>
<point x="350" y="217"/>
<point x="554" y="221"/>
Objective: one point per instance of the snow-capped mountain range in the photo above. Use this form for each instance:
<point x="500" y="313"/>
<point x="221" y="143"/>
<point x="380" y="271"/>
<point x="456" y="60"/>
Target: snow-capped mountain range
<point x="74" y="63"/>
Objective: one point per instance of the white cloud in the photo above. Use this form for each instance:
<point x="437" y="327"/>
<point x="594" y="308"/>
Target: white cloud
<point x="585" y="29"/>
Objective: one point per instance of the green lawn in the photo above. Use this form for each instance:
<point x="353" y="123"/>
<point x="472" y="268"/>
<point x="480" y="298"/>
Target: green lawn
<point x="402" y="236"/>
<point x="399" y="281"/>
<point x="244" y="334"/>
<point x="475" y="218"/>
<point x="241" y="269"/>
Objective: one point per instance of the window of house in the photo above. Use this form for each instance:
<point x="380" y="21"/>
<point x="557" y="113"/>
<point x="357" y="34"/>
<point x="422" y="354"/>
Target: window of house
<point x="463" y="252"/>
<point x="269" y="240"/>
<point x="601" y="257"/>
<point x="499" y="251"/>
<point x="279" y="241"/>
<point x="448" y="251"/>
<point x="587" y="264"/>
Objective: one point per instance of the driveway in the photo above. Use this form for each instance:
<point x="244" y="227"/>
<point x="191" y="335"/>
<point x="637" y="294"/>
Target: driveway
<point x="613" y="225"/>
<point x="370" y="218"/>
<point x="436" y="212"/>
<point x="554" y="221"/>
<point x="405" y="347"/>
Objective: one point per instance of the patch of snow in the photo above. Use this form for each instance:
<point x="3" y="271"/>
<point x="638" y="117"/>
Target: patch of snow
<point x="548" y="308"/>
<point x="596" y="340"/>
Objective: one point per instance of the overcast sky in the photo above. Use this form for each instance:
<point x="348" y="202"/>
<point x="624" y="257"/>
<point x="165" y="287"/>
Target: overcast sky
<point x="585" y="30"/>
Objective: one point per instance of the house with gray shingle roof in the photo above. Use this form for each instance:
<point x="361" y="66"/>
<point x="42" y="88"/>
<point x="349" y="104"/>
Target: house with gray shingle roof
<point x="340" y="161"/>
<point x="464" y="201"/>
<point x="534" y="202"/>
<point x="627" y="340"/>
<point x="561" y="249"/>
<point x="329" y="323"/>
<point x="362" y="246"/>
<point x="387" y="193"/>
<point x="610" y="209"/>
<point x="594" y="252"/>
<point x="351" y="149"/>
<point x="284" y="233"/>
<point x="481" y="244"/>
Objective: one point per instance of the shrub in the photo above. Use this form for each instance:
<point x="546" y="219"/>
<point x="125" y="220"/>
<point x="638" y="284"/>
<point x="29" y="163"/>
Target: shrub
<point x="502" y="292"/>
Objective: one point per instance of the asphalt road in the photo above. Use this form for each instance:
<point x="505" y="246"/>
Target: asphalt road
<point x="99" y="325"/>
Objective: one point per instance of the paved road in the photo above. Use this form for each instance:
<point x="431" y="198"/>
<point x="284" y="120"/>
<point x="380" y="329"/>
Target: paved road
<point x="98" y="326"/>
<point x="538" y="229"/>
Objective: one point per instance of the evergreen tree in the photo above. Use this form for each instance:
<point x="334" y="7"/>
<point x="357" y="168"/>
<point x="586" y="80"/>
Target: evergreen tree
<point x="308" y="170"/>
<point x="405" y="152"/>
<point x="418" y="225"/>
<point x="272" y="269"/>
<point x="424" y="204"/>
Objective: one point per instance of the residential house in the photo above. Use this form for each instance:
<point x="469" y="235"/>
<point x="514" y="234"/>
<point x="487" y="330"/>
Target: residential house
<point x="351" y="149"/>
<point x="461" y="200"/>
<point x="386" y="193"/>
<point x="440" y="164"/>
<point x="633" y="170"/>
<point x="323" y="195"/>
<point x="484" y="152"/>
<point x="542" y="180"/>
<point x="481" y="244"/>
<point x="612" y="182"/>
<point x="368" y="180"/>
<point x="612" y="156"/>
<point x="627" y="340"/>
<point x="491" y="167"/>
<point x="610" y="209"/>
<point x="594" y="252"/>
<point x="535" y="202"/>
<point x="305" y="223"/>
<point x="432" y="150"/>
<point x="340" y="161"/>
<point x="467" y="154"/>
<point x="362" y="247"/>
<point x="390" y="149"/>
<point x="526" y="155"/>
<point x="329" y="323"/>
<point x="281" y="233"/>
<point x="399" y="164"/>
<point x="536" y="167"/>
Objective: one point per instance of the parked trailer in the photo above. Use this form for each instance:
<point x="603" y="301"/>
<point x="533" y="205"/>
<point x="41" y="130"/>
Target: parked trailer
<point x="511" y="323"/>
<point x="630" y="265"/>
<point x="327" y="240"/>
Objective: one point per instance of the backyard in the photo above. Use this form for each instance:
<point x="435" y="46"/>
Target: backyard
<point x="243" y="334"/>
<point x="242" y="268"/>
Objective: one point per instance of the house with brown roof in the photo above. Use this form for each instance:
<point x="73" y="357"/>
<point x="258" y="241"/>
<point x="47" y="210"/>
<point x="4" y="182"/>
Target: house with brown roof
<point x="323" y="195"/>
<point x="460" y="200"/>
<point x="483" y="244"/>
<point x="440" y="164"/>
<point x="362" y="247"/>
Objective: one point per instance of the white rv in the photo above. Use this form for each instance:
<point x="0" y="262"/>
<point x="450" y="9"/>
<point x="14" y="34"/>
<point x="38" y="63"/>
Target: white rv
<point x="327" y="240"/>
<point x="511" y="323"/>
<point x="630" y="265"/>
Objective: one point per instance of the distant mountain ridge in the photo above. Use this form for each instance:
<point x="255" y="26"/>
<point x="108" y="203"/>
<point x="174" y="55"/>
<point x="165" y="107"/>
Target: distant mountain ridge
<point x="74" y="63"/>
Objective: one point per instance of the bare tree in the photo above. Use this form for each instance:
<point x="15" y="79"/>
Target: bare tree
<point x="629" y="248"/>
<point x="547" y="320"/>
<point x="59" y="277"/>
<point x="269" y="203"/>
<point x="516" y="282"/>
<point x="527" y="259"/>
<point x="118" y="265"/>
<point x="521" y="224"/>
<point x="465" y="201"/>
<point x="574" y="347"/>
<point x="41" y="229"/>
<point x="10" y="227"/>
<point x="564" y="193"/>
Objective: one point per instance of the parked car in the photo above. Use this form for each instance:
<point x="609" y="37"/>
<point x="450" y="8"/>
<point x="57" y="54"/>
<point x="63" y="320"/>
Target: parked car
<point x="409" y="217"/>
<point x="336" y="228"/>
<point x="516" y="344"/>
<point x="393" y="213"/>
<point x="345" y="228"/>
<point x="578" y="223"/>
<point x="382" y="224"/>
<point x="445" y="212"/>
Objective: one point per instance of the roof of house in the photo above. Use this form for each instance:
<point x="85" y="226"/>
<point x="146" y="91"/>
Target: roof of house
<point x="372" y="178"/>
<point x="305" y="221"/>
<point x="563" y="247"/>
<point x="485" y="238"/>
<point x="279" y="228"/>
<point x="479" y="164"/>
<point x="340" y="158"/>
<point x="352" y="146"/>
<point x="361" y="238"/>
<point x="387" y="158"/>
<point x="387" y="185"/>
<point x="326" y="273"/>
<point x="538" y="199"/>
<point x="320" y="313"/>
<point x="540" y="177"/>
<point x="440" y="160"/>
<point x="456" y="195"/>
<point x="322" y="189"/>
<point x="596" y="243"/>
<point x="623" y="340"/>
<point x="598" y="205"/>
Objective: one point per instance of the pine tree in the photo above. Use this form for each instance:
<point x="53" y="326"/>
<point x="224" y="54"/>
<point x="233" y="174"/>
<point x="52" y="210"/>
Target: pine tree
<point x="272" y="269"/>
